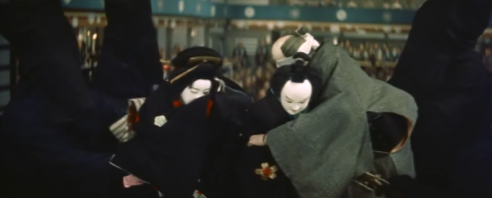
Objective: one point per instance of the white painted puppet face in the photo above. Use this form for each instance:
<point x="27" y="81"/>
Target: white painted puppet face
<point x="295" y="97"/>
<point x="197" y="89"/>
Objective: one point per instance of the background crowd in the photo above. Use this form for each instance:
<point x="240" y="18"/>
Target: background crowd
<point x="377" y="59"/>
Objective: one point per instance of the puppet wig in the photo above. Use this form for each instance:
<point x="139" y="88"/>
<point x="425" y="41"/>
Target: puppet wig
<point x="287" y="46"/>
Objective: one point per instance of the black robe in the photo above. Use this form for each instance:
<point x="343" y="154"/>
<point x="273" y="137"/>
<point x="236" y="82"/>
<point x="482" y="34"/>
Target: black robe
<point x="64" y="150"/>
<point x="452" y="89"/>
<point x="190" y="151"/>
<point x="167" y="157"/>
<point x="262" y="116"/>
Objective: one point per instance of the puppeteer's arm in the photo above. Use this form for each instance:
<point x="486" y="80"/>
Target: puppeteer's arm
<point x="48" y="53"/>
<point x="48" y="147"/>
<point x="426" y="55"/>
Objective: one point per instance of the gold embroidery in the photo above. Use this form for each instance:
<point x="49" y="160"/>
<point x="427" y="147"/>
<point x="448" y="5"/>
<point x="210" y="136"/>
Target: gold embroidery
<point x="266" y="171"/>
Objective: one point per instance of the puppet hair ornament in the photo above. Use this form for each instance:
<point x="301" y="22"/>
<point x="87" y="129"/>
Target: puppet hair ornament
<point x="287" y="46"/>
<point x="222" y="85"/>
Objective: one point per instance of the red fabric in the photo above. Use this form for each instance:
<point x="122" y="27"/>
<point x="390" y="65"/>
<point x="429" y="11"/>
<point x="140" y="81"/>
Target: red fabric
<point x="137" y="117"/>
<point x="176" y="103"/>
<point x="209" y="107"/>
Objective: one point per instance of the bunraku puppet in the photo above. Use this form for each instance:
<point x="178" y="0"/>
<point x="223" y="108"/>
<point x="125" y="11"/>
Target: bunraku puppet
<point x="337" y="148"/>
<point x="178" y="127"/>
<point x="294" y="88"/>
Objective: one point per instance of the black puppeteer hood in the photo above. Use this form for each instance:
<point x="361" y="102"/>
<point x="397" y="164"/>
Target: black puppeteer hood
<point x="454" y="25"/>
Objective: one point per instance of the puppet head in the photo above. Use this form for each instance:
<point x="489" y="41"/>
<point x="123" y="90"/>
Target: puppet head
<point x="193" y="83"/>
<point x="195" y="74"/>
<point x="197" y="89"/>
<point x="296" y="86"/>
<point x="298" y="41"/>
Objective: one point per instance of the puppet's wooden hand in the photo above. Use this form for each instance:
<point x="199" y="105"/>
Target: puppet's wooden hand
<point x="257" y="140"/>
<point x="131" y="180"/>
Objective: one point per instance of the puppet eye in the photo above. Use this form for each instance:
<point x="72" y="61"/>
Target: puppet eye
<point x="206" y="92"/>
<point x="194" y="90"/>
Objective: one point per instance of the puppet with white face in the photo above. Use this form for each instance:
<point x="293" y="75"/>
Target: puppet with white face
<point x="183" y="90"/>
<point x="197" y="89"/>
<point x="176" y="125"/>
<point x="294" y="89"/>
<point x="295" y="96"/>
<point x="365" y="115"/>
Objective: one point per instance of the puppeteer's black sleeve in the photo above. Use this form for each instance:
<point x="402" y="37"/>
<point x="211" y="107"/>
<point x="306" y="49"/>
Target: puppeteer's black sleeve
<point x="424" y="59"/>
<point x="451" y="87"/>
<point x="42" y="154"/>
<point x="129" y="64"/>
<point x="47" y="51"/>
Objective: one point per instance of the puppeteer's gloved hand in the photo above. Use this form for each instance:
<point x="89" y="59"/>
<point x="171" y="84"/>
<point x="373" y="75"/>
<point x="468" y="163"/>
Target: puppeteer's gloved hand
<point x="131" y="180"/>
<point x="257" y="140"/>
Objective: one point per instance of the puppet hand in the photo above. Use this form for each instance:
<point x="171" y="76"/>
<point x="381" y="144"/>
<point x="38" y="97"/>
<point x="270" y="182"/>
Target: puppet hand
<point x="257" y="140"/>
<point x="131" y="180"/>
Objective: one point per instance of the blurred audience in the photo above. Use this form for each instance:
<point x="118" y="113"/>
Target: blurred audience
<point x="413" y="5"/>
<point x="368" y="4"/>
<point x="396" y="5"/>
<point x="240" y="55"/>
<point x="386" y="4"/>
<point x="351" y="4"/>
<point x="376" y="59"/>
<point x="262" y="54"/>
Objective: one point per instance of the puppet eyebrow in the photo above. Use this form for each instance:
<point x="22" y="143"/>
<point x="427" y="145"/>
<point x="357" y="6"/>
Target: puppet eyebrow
<point x="300" y="101"/>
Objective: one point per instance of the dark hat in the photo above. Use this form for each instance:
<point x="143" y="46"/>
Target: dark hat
<point x="193" y="56"/>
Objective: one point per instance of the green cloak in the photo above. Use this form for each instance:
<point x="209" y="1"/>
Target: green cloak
<point x="324" y="149"/>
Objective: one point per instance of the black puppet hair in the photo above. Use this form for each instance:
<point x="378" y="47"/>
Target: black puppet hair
<point x="184" y="58"/>
<point x="195" y="63"/>
<point x="204" y="71"/>
<point x="297" y="73"/>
